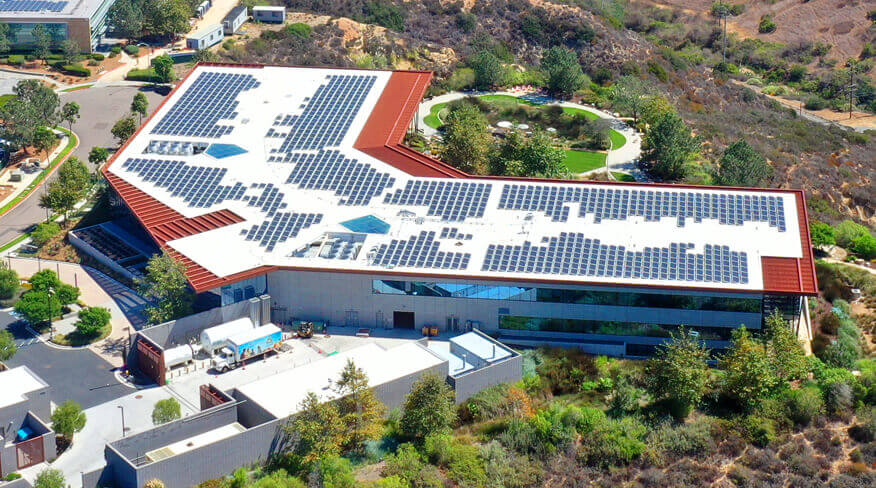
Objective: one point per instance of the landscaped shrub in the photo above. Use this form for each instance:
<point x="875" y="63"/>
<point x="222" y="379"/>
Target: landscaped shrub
<point x="44" y="232"/>
<point x="613" y="443"/>
<point x="141" y="75"/>
<point x="691" y="439"/>
<point x="298" y="29"/>
<point x="97" y="56"/>
<point x="759" y="430"/>
<point x="16" y="59"/>
<point x="76" y="70"/>
<point x="804" y="405"/>
<point x="132" y="50"/>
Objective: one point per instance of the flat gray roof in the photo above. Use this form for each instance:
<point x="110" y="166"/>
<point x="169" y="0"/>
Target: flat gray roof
<point x="50" y="9"/>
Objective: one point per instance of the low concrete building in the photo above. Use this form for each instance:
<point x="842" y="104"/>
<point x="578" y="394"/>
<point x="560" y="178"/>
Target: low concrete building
<point x="83" y="21"/>
<point x="269" y="14"/>
<point x="25" y="439"/>
<point x="234" y="20"/>
<point x="206" y="37"/>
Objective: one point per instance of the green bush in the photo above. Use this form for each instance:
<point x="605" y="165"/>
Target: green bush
<point x="803" y="405"/>
<point x="815" y="102"/>
<point x="766" y="25"/>
<point x="864" y="429"/>
<point x="16" y="59"/>
<point x="141" y="75"/>
<point x="759" y="430"/>
<point x="614" y="443"/>
<point x="690" y="439"/>
<point x="76" y="70"/>
<point x="92" y="320"/>
<point x="97" y="56"/>
<point x="44" y="232"/>
<point x="132" y="50"/>
<point x="298" y="29"/>
<point x="462" y="462"/>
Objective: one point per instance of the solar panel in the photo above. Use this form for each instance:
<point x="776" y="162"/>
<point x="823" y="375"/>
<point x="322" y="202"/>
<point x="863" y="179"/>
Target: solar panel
<point x="451" y="200"/>
<point x="210" y="98"/>
<point x="418" y="251"/>
<point x="331" y="170"/>
<point x="197" y="185"/>
<point x="619" y="204"/>
<point x="327" y="115"/>
<point x="279" y="228"/>
<point x="31" y="6"/>
<point x="576" y="255"/>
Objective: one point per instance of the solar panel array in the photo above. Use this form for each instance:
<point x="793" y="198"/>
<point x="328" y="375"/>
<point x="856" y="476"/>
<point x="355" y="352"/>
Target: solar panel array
<point x="419" y="251"/>
<point x="327" y="114"/>
<point x="576" y="255"/>
<point x="451" y="200"/>
<point x="618" y="204"/>
<point x="331" y="170"/>
<point x="269" y="198"/>
<point x="453" y="233"/>
<point x="31" y="6"/>
<point x="279" y="228"/>
<point x="210" y="98"/>
<point x="198" y="186"/>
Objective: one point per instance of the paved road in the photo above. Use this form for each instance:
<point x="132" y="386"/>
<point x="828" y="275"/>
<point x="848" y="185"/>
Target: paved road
<point x="73" y="374"/>
<point x="8" y="80"/>
<point x="100" y="108"/>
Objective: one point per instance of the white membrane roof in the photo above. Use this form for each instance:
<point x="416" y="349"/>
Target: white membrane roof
<point x="289" y="158"/>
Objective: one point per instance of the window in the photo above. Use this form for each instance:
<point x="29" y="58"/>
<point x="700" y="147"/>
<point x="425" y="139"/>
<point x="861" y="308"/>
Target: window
<point x="579" y="326"/>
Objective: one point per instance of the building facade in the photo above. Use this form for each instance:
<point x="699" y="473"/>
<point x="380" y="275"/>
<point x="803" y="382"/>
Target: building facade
<point x="83" y="21"/>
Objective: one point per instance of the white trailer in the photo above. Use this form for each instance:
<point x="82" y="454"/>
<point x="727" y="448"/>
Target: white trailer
<point x="179" y="355"/>
<point x="216" y="338"/>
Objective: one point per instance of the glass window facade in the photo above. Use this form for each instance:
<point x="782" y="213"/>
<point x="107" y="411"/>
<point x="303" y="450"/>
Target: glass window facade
<point x="20" y="35"/>
<point x="578" y="326"/>
<point x="563" y="295"/>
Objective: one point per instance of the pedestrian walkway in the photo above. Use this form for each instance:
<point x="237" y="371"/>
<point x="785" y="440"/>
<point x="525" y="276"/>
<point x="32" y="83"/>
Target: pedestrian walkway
<point x="29" y="173"/>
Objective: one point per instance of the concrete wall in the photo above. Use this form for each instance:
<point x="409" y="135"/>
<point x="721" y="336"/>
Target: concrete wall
<point x="332" y="296"/>
<point x="250" y="413"/>
<point x="468" y="384"/>
<point x="19" y="483"/>
<point x="97" y="255"/>
<point x="183" y="330"/>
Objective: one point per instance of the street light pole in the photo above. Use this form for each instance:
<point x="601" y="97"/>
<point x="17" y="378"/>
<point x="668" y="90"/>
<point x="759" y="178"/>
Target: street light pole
<point x="122" y="408"/>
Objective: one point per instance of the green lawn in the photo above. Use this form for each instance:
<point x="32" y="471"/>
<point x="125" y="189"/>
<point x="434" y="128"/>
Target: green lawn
<point x="579" y="111"/>
<point x="5" y="98"/>
<point x="617" y="139"/>
<point x="623" y="177"/>
<point x="432" y="120"/>
<point x="581" y="161"/>
<point x="75" y="88"/>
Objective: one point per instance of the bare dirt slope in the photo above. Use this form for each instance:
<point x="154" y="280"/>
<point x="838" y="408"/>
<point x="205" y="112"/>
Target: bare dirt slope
<point x="841" y="23"/>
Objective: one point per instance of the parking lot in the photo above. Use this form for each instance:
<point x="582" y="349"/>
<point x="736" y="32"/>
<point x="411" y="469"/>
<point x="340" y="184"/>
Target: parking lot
<point x="74" y="374"/>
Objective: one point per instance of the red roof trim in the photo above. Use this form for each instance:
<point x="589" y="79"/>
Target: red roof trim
<point x="382" y="137"/>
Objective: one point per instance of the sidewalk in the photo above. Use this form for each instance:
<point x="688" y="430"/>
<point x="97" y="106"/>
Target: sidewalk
<point x="28" y="177"/>
<point x="126" y="307"/>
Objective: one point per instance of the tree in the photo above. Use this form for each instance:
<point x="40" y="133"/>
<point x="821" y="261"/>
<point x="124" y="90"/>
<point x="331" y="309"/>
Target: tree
<point x="565" y="75"/>
<point x="70" y="113"/>
<point x="68" y="418"/>
<point x="34" y="106"/>
<point x="822" y="234"/>
<point x="749" y="375"/>
<point x="318" y="430"/>
<point x="154" y="483"/>
<point x="93" y="320"/>
<point x="4" y="37"/>
<point x="359" y="408"/>
<point x="741" y="165"/>
<point x="669" y="146"/>
<point x="165" y="411"/>
<point x="50" y="478"/>
<point x="163" y="66"/>
<point x="140" y="105"/>
<point x="70" y="50"/>
<point x="37" y="307"/>
<point x="44" y="280"/>
<point x="9" y="282"/>
<point x="654" y="109"/>
<point x="533" y="156"/>
<point x="124" y="129"/>
<point x="74" y="173"/>
<point x="166" y="18"/>
<point x="429" y="408"/>
<point x="126" y="17"/>
<point x="335" y="472"/>
<point x="785" y="349"/>
<point x="467" y="143"/>
<point x="166" y="284"/>
<point x="42" y="41"/>
<point x="488" y="69"/>
<point x="723" y="10"/>
<point x="631" y="94"/>
<point x="7" y="345"/>
<point x="98" y="155"/>
<point x="43" y="140"/>
<point x="678" y="373"/>
<point x="59" y="198"/>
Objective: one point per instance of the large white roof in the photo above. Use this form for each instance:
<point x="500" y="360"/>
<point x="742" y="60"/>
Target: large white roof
<point x="17" y="382"/>
<point x="288" y="166"/>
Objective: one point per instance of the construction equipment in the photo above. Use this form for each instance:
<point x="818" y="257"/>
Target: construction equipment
<point x="305" y="330"/>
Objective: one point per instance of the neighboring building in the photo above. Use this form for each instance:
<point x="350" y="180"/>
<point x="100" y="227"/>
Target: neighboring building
<point x="203" y="7"/>
<point x="25" y="408"/>
<point x="269" y="14"/>
<point x="306" y="184"/>
<point x="83" y="21"/>
<point x="206" y="37"/>
<point x="234" y="20"/>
